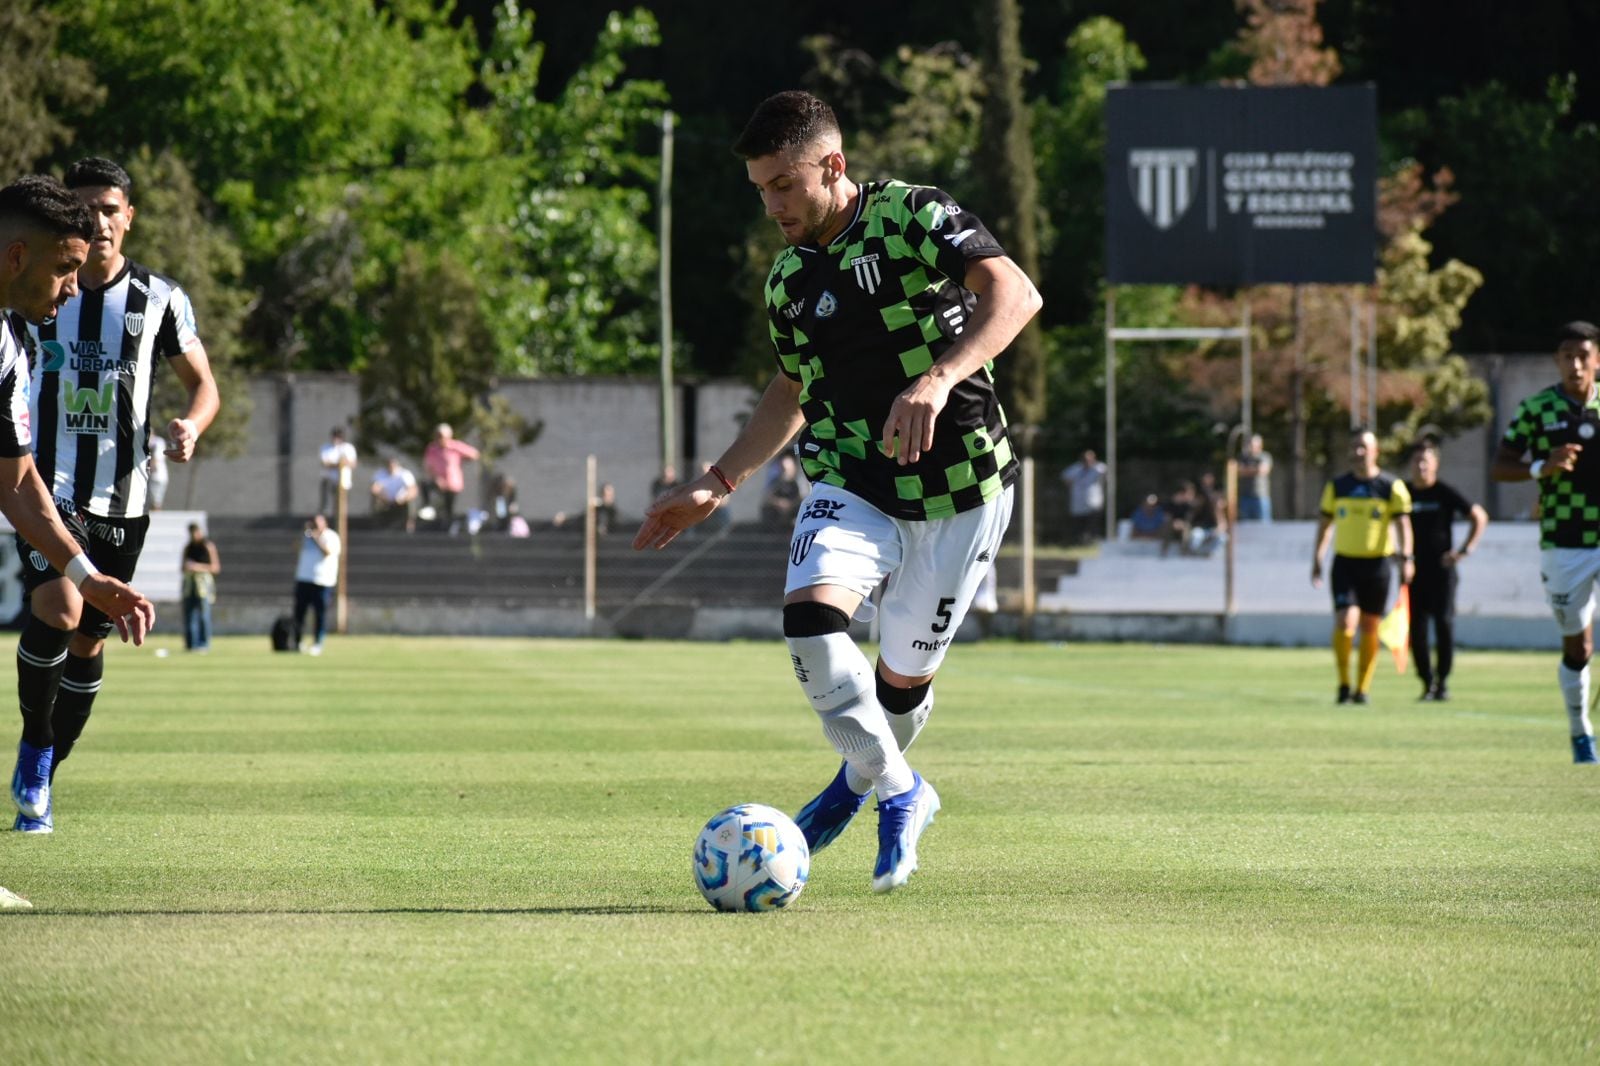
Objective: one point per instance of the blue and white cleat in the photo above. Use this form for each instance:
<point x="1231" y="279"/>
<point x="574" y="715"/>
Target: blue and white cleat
<point x="30" y="781"/>
<point x="1583" y="749"/>
<point x="901" y="820"/>
<point x="826" y="816"/>
<point x="24" y="824"/>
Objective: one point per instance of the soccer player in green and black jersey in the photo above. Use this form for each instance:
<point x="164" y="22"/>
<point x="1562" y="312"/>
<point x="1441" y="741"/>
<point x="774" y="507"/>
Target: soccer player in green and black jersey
<point x="885" y="311"/>
<point x="1552" y="440"/>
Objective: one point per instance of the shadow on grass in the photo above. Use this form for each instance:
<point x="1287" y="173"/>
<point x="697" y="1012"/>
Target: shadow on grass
<point x="46" y="911"/>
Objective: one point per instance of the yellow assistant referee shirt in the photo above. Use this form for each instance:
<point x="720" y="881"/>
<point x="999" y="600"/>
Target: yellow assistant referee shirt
<point x="1362" y="510"/>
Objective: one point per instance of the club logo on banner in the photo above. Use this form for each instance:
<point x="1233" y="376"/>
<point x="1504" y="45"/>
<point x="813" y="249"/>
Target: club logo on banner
<point x="1241" y="185"/>
<point x="1163" y="181"/>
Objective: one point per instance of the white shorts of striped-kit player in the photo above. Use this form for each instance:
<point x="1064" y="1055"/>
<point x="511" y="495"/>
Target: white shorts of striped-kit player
<point x="933" y="568"/>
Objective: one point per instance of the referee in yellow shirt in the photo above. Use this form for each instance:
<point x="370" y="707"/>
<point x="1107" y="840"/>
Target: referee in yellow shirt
<point x="1357" y="509"/>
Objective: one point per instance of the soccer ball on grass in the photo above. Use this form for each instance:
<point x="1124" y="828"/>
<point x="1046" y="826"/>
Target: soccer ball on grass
<point x="751" y="858"/>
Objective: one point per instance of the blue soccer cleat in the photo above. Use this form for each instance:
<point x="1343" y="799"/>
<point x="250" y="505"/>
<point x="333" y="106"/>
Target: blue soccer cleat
<point x="25" y="824"/>
<point x="1583" y="749"/>
<point x="30" y="782"/>
<point x="824" y="818"/>
<point x="901" y="820"/>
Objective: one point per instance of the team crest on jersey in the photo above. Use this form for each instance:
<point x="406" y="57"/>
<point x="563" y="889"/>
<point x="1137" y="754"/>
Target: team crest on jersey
<point x="1586" y="430"/>
<point x="827" y="304"/>
<point x="133" y="323"/>
<point x="868" y="274"/>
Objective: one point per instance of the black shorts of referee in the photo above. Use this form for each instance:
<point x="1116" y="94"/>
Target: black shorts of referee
<point x="1367" y="584"/>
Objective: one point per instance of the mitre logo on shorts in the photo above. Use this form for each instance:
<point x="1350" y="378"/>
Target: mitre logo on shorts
<point x="38" y="562"/>
<point x="802" y="547"/>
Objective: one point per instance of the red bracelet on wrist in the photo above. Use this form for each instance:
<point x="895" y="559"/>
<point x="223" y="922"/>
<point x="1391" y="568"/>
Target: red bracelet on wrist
<point x="716" y="472"/>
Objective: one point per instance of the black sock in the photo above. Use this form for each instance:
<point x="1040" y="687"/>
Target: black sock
<point x="41" y="656"/>
<point x="80" y="683"/>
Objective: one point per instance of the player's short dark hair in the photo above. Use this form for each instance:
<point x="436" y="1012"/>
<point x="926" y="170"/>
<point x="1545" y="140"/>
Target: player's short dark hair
<point x="783" y="121"/>
<point x="43" y="202"/>
<point x="1577" y="331"/>
<point x="95" y="171"/>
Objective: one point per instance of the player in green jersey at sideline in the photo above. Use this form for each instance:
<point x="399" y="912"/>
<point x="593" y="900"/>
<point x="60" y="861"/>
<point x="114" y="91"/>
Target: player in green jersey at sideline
<point x="1549" y="441"/>
<point x="1358" y="508"/>
<point x="885" y="311"/>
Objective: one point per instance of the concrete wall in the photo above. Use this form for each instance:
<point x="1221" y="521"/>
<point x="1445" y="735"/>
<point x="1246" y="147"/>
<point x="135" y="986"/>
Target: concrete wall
<point x="616" y="420"/>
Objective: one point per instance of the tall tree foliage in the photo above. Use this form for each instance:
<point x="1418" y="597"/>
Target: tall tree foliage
<point x="41" y="89"/>
<point x="1006" y="149"/>
<point x="579" y="295"/>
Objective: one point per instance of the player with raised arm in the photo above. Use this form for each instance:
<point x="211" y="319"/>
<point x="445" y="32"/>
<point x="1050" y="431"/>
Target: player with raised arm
<point x="885" y="311"/>
<point x="1551" y="440"/>
<point x="44" y="239"/>
<point x="93" y="391"/>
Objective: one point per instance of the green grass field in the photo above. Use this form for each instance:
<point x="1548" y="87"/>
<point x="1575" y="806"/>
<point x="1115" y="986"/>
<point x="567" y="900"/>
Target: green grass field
<point x="450" y="851"/>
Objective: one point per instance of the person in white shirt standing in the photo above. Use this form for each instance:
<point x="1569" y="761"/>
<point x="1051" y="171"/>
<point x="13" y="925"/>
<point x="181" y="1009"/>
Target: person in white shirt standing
<point x="314" y="578"/>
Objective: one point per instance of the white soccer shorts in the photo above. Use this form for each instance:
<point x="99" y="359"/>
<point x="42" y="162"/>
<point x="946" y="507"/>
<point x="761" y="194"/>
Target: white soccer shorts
<point x="933" y="568"/>
<point x="1569" y="576"/>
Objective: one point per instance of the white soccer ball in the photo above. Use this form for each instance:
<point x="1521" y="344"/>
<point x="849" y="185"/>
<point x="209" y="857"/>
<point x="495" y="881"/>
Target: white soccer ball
<point x="751" y="858"/>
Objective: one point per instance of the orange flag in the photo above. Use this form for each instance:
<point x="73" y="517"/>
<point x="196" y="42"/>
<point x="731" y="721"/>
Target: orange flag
<point x="1395" y="629"/>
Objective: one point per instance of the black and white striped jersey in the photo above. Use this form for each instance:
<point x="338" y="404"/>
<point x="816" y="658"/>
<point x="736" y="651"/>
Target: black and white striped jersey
<point x="92" y="388"/>
<point x="16" y="438"/>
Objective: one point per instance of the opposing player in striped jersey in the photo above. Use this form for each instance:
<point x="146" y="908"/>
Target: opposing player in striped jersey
<point x="44" y="238"/>
<point x="92" y="395"/>
<point x="885" y="312"/>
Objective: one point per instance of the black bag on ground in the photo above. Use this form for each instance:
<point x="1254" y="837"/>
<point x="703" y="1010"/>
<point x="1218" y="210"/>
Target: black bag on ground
<point x="283" y="634"/>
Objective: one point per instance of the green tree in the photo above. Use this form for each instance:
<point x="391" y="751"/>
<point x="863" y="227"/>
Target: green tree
<point x="1006" y="149"/>
<point x="434" y="361"/>
<point x="173" y="234"/>
<point x="1526" y="212"/>
<point x="40" y="88"/>
<point x="579" y="292"/>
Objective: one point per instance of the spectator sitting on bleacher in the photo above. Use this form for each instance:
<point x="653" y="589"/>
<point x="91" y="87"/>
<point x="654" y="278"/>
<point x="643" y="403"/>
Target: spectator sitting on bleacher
<point x="1208" y="526"/>
<point x="394" y="496"/>
<point x="503" y="505"/>
<point x="1180" y="518"/>
<point x="1149" y="520"/>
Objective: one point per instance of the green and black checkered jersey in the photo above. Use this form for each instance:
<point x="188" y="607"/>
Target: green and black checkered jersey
<point x="856" y="322"/>
<point x="1569" y="504"/>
